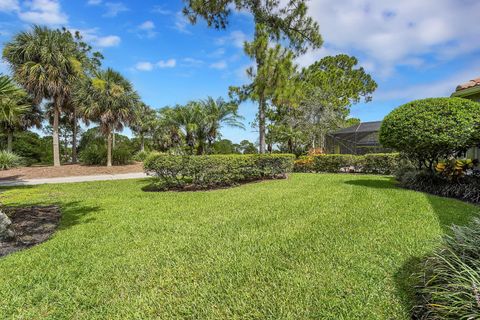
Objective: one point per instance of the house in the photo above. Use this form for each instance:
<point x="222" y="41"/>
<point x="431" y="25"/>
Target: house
<point x="470" y="90"/>
<point x="362" y="138"/>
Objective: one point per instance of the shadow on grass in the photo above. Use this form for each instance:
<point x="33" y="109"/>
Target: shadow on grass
<point x="448" y="211"/>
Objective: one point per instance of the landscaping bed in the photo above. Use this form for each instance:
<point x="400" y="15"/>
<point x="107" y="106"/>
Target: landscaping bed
<point x="68" y="170"/>
<point x="31" y="225"/>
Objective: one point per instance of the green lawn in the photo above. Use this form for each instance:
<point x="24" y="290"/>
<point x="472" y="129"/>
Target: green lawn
<point x="313" y="246"/>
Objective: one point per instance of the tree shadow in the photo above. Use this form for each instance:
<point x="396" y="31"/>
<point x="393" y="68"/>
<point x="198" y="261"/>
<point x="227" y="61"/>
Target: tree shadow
<point x="448" y="212"/>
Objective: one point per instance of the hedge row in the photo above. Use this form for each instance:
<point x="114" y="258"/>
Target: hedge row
<point x="379" y="163"/>
<point x="204" y="172"/>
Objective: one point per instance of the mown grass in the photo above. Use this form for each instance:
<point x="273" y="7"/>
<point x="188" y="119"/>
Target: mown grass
<point x="311" y="247"/>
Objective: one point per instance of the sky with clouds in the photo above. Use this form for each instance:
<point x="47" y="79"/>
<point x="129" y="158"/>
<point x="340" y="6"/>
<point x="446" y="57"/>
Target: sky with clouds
<point x="413" y="49"/>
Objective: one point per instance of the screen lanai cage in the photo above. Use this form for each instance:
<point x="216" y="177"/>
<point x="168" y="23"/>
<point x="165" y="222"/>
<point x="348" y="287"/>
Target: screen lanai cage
<point x="358" y="139"/>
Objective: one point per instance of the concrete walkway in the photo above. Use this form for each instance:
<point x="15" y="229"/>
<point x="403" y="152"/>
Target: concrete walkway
<point x="29" y="182"/>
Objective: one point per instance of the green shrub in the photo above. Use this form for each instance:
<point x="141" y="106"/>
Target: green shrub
<point x="203" y="172"/>
<point x="381" y="163"/>
<point x="9" y="160"/>
<point x="431" y="129"/>
<point x="95" y="154"/>
<point x="303" y="164"/>
<point x="336" y="162"/>
<point x="140" y="156"/>
<point x="465" y="188"/>
<point x="450" y="281"/>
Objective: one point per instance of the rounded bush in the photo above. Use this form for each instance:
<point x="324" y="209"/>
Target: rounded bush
<point x="9" y="160"/>
<point x="431" y="129"/>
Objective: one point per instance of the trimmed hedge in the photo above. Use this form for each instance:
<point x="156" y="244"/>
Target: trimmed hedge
<point x="378" y="163"/>
<point x="212" y="171"/>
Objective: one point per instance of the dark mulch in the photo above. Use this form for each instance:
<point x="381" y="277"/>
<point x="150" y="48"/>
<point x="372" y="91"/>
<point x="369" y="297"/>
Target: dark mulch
<point x="32" y="225"/>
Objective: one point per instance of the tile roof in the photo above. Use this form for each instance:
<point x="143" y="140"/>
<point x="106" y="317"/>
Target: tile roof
<point x="469" y="84"/>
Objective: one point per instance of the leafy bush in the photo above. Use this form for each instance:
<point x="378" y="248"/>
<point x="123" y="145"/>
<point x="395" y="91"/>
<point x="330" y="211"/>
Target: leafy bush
<point x="466" y="188"/>
<point x="303" y="164"/>
<point x="455" y="168"/>
<point x="378" y="163"/>
<point x="203" y="172"/>
<point x="450" y="282"/>
<point x="336" y="162"/>
<point x="381" y="163"/>
<point x="9" y="160"/>
<point x="431" y="129"/>
<point x="140" y="156"/>
<point x="95" y="154"/>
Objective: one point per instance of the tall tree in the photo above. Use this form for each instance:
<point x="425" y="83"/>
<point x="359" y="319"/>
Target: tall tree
<point x="274" y="21"/>
<point x="144" y="122"/>
<point x="15" y="108"/>
<point x="109" y="100"/>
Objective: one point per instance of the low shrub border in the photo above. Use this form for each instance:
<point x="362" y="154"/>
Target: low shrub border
<point x="213" y="171"/>
<point x="378" y="163"/>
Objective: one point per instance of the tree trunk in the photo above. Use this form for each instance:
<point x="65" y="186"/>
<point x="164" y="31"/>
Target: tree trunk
<point x="56" y="142"/>
<point x="74" y="137"/>
<point x="142" y="143"/>
<point x="109" y="149"/>
<point x="113" y="138"/>
<point x="9" y="141"/>
<point x="261" y="124"/>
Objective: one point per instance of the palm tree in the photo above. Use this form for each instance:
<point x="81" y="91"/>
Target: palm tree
<point x="16" y="110"/>
<point x="144" y="122"/>
<point x="217" y="113"/>
<point x="109" y="100"/>
<point x="44" y="62"/>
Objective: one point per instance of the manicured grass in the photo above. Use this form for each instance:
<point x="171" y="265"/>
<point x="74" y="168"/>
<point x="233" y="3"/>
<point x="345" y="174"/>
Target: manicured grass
<point x="313" y="246"/>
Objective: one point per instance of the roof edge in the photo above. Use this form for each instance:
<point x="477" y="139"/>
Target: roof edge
<point x="466" y="92"/>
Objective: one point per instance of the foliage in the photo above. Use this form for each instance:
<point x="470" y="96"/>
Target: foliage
<point x="224" y="146"/>
<point x="203" y="172"/>
<point x="375" y="163"/>
<point x="450" y="279"/>
<point x="215" y="255"/>
<point x="9" y="160"/>
<point x="247" y="147"/>
<point x="109" y="100"/>
<point x="455" y="168"/>
<point x="95" y="154"/>
<point x="464" y="188"/>
<point x="140" y="156"/>
<point x="431" y="129"/>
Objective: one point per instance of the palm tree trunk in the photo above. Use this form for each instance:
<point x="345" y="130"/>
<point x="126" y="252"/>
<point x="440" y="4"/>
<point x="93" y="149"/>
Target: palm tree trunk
<point x="142" y="142"/>
<point x="109" y="149"/>
<point x="74" y="137"/>
<point x="9" y="141"/>
<point x="56" y="143"/>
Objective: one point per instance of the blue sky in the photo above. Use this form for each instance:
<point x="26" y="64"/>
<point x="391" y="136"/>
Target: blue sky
<point x="412" y="48"/>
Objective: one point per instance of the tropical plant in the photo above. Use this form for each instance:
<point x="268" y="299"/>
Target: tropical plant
<point x="431" y="129"/>
<point x="9" y="160"/>
<point x="144" y="123"/>
<point x="44" y="62"/>
<point x="109" y="100"/>
<point x="274" y="21"/>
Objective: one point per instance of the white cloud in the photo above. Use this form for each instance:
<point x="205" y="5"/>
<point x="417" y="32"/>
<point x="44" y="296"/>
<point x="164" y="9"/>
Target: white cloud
<point x="391" y="33"/>
<point x="219" y="65"/>
<point x="108" y="41"/>
<point x="170" y="63"/>
<point x="144" y="66"/>
<point x="114" y="8"/>
<point x="192" y="62"/>
<point x="9" y="6"/>
<point x="94" y="2"/>
<point x="44" y="12"/>
<point x="147" y="25"/>
<point x="236" y="37"/>
<point x="92" y="36"/>
<point x="161" y="10"/>
<point x="181" y="23"/>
